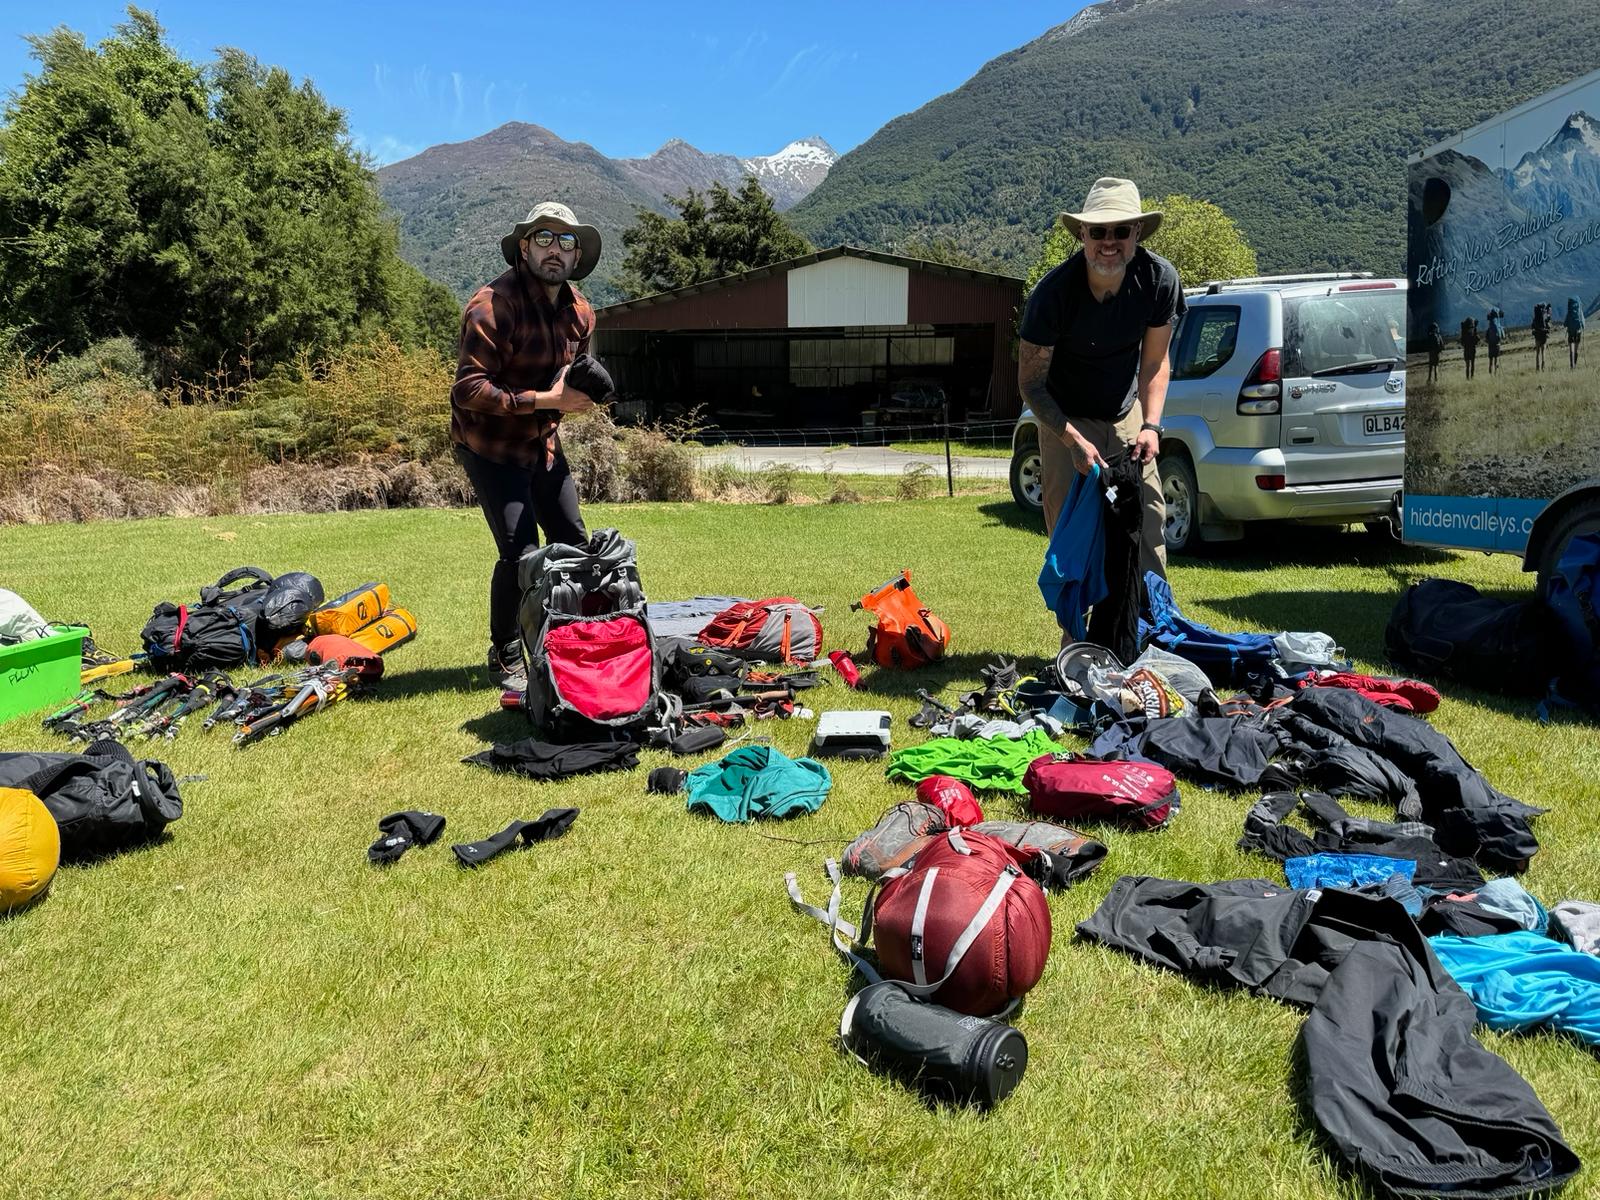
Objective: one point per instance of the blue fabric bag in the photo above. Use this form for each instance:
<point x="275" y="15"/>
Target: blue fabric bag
<point x="1228" y="659"/>
<point x="1073" y="579"/>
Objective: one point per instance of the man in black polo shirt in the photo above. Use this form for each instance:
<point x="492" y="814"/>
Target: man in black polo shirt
<point x="1093" y="362"/>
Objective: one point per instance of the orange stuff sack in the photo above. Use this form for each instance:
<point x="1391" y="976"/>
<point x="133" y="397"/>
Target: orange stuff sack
<point x="394" y="628"/>
<point x="351" y="611"/>
<point x="907" y="633"/>
<point x="344" y="653"/>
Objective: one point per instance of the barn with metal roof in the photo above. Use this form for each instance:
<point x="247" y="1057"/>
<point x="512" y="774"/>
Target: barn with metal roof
<point x="842" y="337"/>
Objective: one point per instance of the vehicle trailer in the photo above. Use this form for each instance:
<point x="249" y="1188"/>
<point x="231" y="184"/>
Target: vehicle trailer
<point x="1503" y="258"/>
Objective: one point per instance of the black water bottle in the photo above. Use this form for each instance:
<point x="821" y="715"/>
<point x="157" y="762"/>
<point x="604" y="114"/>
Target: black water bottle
<point x="947" y="1055"/>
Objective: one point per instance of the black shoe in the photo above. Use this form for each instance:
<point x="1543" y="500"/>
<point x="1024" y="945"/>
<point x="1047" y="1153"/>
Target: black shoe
<point x="506" y="668"/>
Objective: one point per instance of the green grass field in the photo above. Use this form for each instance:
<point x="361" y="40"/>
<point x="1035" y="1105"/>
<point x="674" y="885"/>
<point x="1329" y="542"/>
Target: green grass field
<point x="966" y="449"/>
<point x="249" y="1009"/>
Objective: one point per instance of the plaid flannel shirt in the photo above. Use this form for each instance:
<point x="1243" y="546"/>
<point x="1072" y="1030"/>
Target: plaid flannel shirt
<point x="513" y="341"/>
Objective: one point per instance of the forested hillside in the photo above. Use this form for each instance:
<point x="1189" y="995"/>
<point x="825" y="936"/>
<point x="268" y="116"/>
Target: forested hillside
<point x="1296" y="118"/>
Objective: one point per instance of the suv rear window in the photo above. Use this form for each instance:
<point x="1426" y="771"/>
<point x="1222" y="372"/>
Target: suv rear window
<point x="1206" y="341"/>
<point x="1343" y="331"/>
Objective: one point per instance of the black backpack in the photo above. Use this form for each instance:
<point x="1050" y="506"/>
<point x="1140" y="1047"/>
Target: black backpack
<point x="103" y="799"/>
<point x="1445" y="628"/>
<point x="220" y="631"/>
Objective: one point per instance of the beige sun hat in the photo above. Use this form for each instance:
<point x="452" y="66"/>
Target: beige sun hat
<point x="1112" y="202"/>
<point x="555" y="216"/>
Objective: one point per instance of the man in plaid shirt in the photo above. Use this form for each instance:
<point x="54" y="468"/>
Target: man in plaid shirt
<point x="520" y="333"/>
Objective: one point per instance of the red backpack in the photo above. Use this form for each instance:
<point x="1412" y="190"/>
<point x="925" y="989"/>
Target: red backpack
<point x="777" y="629"/>
<point x="1072" y="787"/>
<point x="965" y="926"/>
<point x="907" y="633"/>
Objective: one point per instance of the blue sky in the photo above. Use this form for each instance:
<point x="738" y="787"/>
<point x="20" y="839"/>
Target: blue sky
<point x="728" y="77"/>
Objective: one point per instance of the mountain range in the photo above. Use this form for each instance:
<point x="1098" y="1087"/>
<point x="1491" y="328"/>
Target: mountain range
<point x="455" y="201"/>
<point x="1296" y="118"/>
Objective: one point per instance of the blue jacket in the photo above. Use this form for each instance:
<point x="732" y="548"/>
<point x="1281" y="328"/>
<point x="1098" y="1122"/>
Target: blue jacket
<point x="1524" y="981"/>
<point x="1074" y="576"/>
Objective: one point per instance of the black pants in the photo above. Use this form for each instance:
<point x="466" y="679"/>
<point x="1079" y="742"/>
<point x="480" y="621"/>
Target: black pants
<point x="518" y="502"/>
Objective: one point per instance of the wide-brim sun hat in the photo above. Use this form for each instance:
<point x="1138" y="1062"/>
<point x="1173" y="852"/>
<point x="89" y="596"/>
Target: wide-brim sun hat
<point x="1112" y="201"/>
<point x="555" y="216"/>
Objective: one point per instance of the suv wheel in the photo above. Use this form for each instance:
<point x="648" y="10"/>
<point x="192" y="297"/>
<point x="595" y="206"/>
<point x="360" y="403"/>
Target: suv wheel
<point x="1027" y="478"/>
<point x="1182" y="496"/>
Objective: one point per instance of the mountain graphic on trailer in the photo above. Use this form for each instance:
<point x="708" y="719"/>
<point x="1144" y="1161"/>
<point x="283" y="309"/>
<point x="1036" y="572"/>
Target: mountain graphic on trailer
<point x="1494" y="232"/>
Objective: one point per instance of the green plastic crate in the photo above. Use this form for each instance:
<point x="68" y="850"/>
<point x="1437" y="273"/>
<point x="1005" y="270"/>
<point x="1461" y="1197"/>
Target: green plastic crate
<point x="42" y="672"/>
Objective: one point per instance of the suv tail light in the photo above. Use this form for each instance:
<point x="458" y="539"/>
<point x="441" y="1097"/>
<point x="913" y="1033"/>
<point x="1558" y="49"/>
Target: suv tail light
<point x="1260" y="395"/>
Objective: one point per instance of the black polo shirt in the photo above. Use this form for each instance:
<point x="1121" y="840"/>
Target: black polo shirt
<point x="1095" y="369"/>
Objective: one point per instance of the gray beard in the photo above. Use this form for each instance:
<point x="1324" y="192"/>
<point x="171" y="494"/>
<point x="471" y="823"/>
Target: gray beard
<point x="1100" y="268"/>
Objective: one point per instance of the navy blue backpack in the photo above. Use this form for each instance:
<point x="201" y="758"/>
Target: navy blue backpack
<point x="1572" y="596"/>
<point x="1239" y="660"/>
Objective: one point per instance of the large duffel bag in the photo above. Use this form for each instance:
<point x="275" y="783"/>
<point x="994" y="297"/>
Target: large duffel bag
<point x="1442" y="627"/>
<point x="103" y="799"/>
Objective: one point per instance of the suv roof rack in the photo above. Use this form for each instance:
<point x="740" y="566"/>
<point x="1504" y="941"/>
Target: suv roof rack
<point x="1214" y="286"/>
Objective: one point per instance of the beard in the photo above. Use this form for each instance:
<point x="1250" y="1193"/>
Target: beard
<point x="1114" y="265"/>
<point x="550" y="270"/>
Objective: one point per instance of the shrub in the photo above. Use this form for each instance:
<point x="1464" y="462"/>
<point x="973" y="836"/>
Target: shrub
<point x="655" y="467"/>
<point x="780" y="482"/>
<point x="589" y="440"/>
<point x="915" y="481"/>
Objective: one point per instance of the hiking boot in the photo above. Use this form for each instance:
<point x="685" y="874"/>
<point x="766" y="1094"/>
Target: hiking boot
<point x="506" y="668"/>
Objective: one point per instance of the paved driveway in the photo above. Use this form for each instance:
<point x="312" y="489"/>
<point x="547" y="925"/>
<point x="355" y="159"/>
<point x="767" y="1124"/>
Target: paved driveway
<point x="852" y="460"/>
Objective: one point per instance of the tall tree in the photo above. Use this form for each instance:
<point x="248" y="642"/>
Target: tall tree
<point x="212" y="213"/>
<point x="716" y="233"/>
<point x="1195" y="236"/>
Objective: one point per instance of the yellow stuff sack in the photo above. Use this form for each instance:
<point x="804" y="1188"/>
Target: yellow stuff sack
<point x="30" y="847"/>
<point x="350" y="612"/>
<point x="396" y="627"/>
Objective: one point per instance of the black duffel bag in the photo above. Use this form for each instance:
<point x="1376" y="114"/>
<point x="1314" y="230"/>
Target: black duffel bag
<point x="220" y="631"/>
<point x="1446" y="628"/>
<point x="103" y="799"/>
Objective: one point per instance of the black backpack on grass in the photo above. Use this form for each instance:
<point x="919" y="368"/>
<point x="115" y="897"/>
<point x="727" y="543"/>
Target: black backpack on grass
<point x="103" y="800"/>
<point x="1441" y="627"/>
<point x="220" y="631"/>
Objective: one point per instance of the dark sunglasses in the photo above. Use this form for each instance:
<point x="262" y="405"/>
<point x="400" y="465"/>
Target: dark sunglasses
<point x="543" y="237"/>
<point x="1098" y="233"/>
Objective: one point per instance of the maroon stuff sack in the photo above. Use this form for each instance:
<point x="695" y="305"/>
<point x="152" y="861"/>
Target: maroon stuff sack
<point x="1072" y="787"/>
<point x="951" y="797"/>
<point x="778" y="629"/>
<point x="965" y="926"/>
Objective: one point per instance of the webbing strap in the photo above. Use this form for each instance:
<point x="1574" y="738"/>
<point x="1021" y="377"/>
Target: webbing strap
<point x="979" y="922"/>
<point x="919" y="921"/>
<point x="183" y="619"/>
<point x="785" y="644"/>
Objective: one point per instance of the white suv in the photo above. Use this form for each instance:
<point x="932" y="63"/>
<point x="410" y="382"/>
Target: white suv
<point x="1287" y="402"/>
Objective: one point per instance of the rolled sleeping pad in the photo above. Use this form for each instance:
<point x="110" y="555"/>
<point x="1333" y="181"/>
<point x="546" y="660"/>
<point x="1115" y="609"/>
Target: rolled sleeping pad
<point x="30" y="848"/>
<point x="343" y="652"/>
<point x="347" y="613"/>
<point x="394" y="628"/>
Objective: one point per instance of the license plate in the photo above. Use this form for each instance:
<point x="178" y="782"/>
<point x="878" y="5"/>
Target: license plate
<point x="1381" y="424"/>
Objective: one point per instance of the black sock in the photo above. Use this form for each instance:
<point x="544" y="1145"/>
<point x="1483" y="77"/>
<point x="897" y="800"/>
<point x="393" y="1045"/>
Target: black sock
<point x="666" y="781"/>
<point x="552" y="824"/>
<point x="401" y="831"/>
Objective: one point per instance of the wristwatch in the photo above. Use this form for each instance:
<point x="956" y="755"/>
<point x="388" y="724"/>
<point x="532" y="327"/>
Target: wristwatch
<point x="1153" y="428"/>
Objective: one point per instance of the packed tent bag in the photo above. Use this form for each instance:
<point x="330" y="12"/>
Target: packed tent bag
<point x="102" y="800"/>
<point x="592" y="667"/>
<point x="354" y="610"/>
<point x="907" y="633"/>
<point x="394" y="628"/>
<point x="220" y="631"/>
<point x="777" y="629"/>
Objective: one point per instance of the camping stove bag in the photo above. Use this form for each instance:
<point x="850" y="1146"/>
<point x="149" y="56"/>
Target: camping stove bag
<point x="965" y="926"/>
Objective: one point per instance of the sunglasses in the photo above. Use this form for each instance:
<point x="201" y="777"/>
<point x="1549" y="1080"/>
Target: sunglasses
<point x="1099" y="233"/>
<point x="543" y="237"/>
